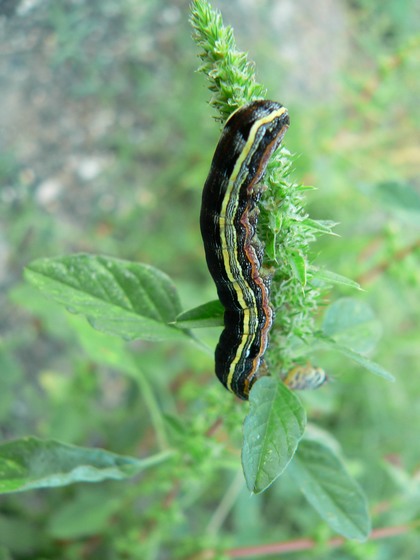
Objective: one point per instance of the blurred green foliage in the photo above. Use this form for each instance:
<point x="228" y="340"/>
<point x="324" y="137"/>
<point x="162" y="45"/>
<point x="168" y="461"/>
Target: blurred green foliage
<point x="107" y="142"/>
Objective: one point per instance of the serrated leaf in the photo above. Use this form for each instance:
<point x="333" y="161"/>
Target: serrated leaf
<point x="333" y="278"/>
<point x="272" y="430"/>
<point x="130" y="300"/>
<point x="29" y="463"/>
<point x="209" y="314"/>
<point x="329" y="488"/>
<point x="353" y="324"/>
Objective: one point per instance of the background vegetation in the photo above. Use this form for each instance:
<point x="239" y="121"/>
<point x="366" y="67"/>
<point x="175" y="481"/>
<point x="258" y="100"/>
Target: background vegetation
<point x="106" y="142"/>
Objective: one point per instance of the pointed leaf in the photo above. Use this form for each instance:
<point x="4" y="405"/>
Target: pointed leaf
<point x="29" y="463"/>
<point x="371" y="366"/>
<point x="333" y="278"/>
<point x="209" y="314"/>
<point x="321" y="226"/>
<point x="323" y="342"/>
<point x="126" y="299"/>
<point x="329" y="488"/>
<point x="298" y="263"/>
<point x="272" y="430"/>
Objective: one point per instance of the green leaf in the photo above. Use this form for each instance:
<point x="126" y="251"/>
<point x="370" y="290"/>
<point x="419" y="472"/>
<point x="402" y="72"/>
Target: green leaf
<point x="329" y="488"/>
<point x="29" y="463"/>
<point x="371" y="366"/>
<point x="126" y="299"/>
<point x="321" y="226"/>
<point x="353" y="324"/>
<point x="209" y="314"/>
<point x="298" y="263"/>
<point x="333" y="278"/>
<point x="272" y="430"/>
<point x="306" y="188"/>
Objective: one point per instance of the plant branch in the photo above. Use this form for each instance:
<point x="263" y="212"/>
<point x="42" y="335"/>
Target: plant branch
<point x="383" y="266"/>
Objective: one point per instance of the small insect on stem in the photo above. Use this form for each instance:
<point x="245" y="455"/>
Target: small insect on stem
<point x="305" y="376"/>
<point x="228" y="220"/>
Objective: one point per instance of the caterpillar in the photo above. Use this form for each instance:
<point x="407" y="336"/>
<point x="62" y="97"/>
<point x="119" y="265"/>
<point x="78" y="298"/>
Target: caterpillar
<point x="228" y="221"/>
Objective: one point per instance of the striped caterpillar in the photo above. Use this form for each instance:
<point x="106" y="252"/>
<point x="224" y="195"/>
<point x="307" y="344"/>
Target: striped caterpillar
<point x="228" y="222"/>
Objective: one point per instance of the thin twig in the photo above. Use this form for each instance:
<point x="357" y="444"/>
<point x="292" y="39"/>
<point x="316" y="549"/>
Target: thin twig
<point x="308" y="544"/>
<point x="383" y="266"/>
